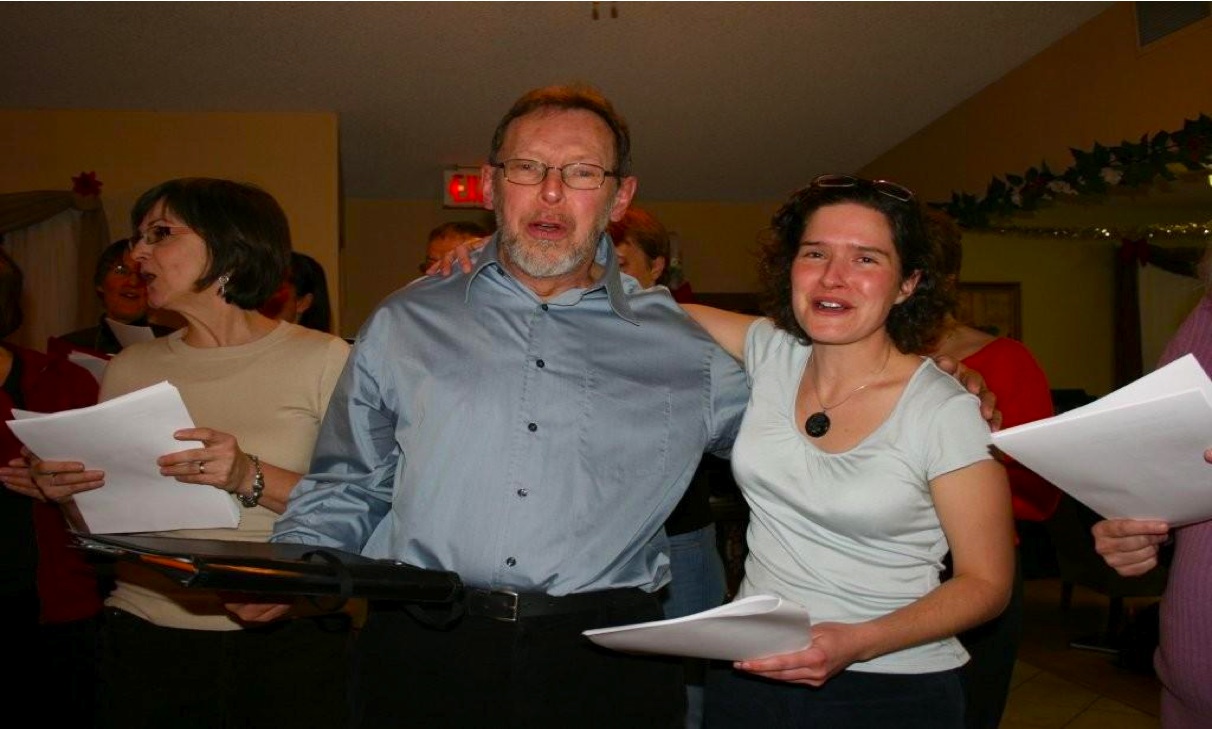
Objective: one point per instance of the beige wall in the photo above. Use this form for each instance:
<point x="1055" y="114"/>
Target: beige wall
<point x="384" y="242"/>
<point x="292" y="155"/>
<point x="1094" y="85"/>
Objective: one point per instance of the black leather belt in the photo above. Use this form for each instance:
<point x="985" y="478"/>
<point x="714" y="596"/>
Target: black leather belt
<point x="510" y="606"/>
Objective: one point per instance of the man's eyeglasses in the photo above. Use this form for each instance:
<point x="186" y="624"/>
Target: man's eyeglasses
<point x="154" y="234"/>
<point x="891" y="189"/>
<point x="121" y="269"/>
<point x="577" y="175"/>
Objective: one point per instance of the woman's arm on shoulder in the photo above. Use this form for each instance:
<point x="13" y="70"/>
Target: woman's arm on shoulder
<point x="727" y="328"/>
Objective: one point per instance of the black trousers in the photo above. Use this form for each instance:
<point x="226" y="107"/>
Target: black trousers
<point x="291" y="673"/>
<point x="536" y="672"/>
<point x="849" y="700"/>
<point x="993" y="648"/>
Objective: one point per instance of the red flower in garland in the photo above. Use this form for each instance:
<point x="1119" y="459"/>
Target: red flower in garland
<point x="86" y="184"/>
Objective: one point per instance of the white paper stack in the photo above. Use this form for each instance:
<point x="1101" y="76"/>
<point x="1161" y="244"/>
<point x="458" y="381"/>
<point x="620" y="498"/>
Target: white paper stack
<point x="753" y="627"/>
<point x="128" y="334"/>
<point x="123" y="437"/>
<point x="1136" y="453"/>
<point x="95" y="365"/>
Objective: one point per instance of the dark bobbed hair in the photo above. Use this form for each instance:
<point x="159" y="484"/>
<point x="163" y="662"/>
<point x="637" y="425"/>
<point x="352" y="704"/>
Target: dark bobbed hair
<point x="12" y="284"/>
<point x="645" y="231"/>
<point x="912" y="324"/>
<point x="459" y="227"/>
<point x="244" y="229"/>
<point x="112" y="255"/>
<point x="307" y="277"/>
<point x="569" y="98"/>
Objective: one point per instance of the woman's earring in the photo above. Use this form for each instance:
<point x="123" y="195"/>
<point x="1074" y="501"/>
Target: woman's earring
<point x="223" y="285"/>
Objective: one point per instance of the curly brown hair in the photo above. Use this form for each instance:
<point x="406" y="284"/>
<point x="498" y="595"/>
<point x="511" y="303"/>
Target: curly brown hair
<point x="912" y="324"/>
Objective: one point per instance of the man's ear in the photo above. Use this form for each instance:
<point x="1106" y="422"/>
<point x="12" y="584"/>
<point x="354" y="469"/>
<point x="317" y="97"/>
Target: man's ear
<point x="622" y="198"/>
<point x="658" y="267"/>
<point x="303" y="303"/>
<point x="487" y="175"/>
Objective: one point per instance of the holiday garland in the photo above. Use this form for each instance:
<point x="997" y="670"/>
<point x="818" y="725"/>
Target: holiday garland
<point x="1128" y="165"/>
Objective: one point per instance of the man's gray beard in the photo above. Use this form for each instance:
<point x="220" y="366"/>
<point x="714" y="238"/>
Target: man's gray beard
<point x="535" y="261"/>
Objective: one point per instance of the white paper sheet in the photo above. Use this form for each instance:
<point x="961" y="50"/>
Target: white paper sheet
<point x="1137" y="452"/>
<point x="94" y="365"/>
<point x="752" y="627"/>
<point x="124" y="437"/>
<point x="128" y="334"/>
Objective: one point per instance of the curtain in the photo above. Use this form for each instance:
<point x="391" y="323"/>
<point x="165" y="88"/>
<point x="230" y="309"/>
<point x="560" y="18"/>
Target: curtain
<point x="47" y="254"/>
<point x="1166" y="298"/>
<point x="1135" y="335"/>
<point x="90" y="234"/>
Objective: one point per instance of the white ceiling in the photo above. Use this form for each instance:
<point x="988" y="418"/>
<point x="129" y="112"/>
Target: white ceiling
<point x="727" y="101"/>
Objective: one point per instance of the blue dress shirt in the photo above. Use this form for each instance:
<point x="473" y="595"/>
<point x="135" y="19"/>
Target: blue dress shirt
<point x="525" y="444"/>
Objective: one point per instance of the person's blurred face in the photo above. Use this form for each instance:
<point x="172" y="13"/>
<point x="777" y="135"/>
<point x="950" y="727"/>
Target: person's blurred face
<point x="286" y="304"/>
<point x="123" y="291"/>
<point x="549" y="231"/>
<point x="635" y="263"/>
<point x="439" y="247"/>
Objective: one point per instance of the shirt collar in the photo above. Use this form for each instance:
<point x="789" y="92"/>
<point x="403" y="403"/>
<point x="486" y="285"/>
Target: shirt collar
<point x="605" y="255"/>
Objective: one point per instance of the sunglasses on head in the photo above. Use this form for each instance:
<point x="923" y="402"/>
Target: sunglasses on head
<point x="886" y="187"/>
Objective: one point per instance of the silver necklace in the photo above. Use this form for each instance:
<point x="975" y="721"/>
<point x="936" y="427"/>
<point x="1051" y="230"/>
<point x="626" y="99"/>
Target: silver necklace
<point x="818" y="423"/>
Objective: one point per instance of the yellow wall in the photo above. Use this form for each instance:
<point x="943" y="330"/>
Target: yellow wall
<point x="1093" y="85"/>
<point x="384" y="244"/>
<point x="291" y="155"/>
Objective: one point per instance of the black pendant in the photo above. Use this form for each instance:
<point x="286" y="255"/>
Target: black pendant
<point x="817" y="424"/>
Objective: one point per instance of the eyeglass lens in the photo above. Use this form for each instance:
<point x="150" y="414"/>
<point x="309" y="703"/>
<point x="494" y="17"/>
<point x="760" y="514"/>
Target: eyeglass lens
<point x="578" y="175"/>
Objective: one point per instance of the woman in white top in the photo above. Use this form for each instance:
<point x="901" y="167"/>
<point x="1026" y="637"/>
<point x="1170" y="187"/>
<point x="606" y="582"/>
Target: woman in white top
<point x="863" y="464"/>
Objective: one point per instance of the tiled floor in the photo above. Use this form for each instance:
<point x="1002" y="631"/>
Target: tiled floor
<point x="1056" y="686"/>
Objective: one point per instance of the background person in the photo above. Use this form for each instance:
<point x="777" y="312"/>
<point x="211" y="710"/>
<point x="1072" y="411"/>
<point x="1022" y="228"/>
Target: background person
<point x="697" y="579"/>
<point x="123" y="295"/>
<point x="1184" y="653"/>
<point x="863" y="464"/>
<point x="303" y="297"/>
<point x="212" y="251"/>
<point x="1023" y="395"/>
<point x="447" y="237"/>
<point x="50" y="601"/>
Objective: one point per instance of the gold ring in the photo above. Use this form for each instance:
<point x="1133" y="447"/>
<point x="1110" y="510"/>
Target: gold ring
<point x="201" y="467"/>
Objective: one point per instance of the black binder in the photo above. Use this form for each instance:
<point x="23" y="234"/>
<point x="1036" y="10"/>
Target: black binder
<point x="277" y="569"/>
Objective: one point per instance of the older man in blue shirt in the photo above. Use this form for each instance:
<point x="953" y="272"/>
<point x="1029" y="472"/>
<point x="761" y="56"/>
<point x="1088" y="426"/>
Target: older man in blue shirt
<point x="529" y="425"/>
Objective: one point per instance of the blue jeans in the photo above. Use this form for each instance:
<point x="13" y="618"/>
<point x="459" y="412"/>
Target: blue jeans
<point x="698" y="584"/>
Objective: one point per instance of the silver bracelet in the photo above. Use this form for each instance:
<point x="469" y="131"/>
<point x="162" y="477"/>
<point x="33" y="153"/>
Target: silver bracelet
<point x="258" y="484"/>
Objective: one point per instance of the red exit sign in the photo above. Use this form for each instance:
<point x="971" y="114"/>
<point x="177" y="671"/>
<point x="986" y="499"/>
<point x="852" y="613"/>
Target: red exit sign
<point x="461" y="188"/>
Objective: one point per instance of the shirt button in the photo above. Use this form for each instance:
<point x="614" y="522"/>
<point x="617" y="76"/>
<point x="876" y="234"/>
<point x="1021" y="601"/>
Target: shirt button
<point x="511" y="561"/>
<point x="523" y="493"/>
<point x="543" y="306"/>
<point x="540" y="364"/>
<point x="532" y="427"/>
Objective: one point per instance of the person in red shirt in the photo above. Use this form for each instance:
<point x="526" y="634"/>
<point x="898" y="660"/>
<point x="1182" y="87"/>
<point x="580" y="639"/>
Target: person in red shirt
<point x="1023" y="395"/>
<point x="51" y="602"/>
